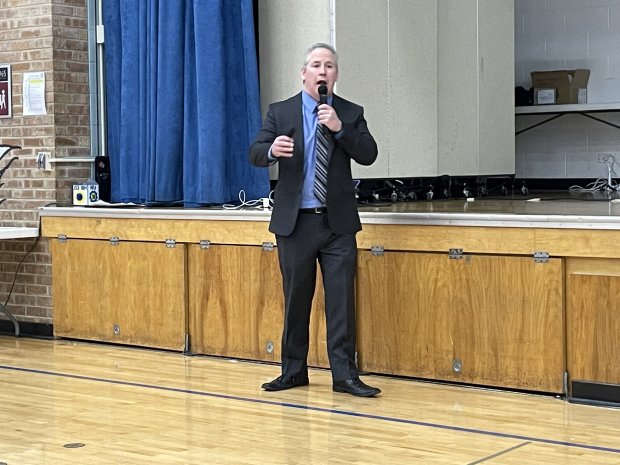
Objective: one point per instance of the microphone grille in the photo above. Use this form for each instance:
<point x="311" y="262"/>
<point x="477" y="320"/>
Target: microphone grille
<point x="322" y="89"/>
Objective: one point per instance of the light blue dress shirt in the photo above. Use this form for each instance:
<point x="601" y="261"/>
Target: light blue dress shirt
<point x="310" y="118"/>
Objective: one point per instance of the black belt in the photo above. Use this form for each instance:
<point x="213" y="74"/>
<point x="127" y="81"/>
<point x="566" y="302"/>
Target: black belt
<point x="315" y="210"/>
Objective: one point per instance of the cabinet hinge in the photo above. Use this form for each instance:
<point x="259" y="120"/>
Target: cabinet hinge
<point x="541" y="257"/>
<point x="268" y="246"/>
<point x="62" y="238"/>
<point x="171" y="243"/>
<point x="205" y="244"/>
<point x="455" y="254"/>
<point x="114" y="240"/>
<point x="565" y="383"/>
<point x="377" y="250"/>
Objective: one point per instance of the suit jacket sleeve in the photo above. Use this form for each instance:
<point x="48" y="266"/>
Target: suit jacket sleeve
<point x="259" y="150"/>
<point x="355" y="138"/>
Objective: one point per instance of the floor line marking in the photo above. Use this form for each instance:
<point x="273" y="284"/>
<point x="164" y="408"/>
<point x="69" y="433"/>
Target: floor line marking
<point x="320" y="409"/>
<point x="501" y="452"/>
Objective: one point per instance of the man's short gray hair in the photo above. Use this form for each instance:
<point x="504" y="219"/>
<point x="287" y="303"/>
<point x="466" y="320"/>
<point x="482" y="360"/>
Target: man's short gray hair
<point x="320" y="45"/>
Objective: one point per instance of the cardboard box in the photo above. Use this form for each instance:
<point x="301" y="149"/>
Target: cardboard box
<point x="570" y="85"/>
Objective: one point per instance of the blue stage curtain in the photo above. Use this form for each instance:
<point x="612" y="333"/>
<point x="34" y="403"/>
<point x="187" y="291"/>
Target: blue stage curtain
<point x="182" y="101"/>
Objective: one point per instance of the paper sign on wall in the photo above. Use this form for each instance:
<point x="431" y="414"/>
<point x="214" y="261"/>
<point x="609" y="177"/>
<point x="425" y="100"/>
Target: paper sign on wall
<point x="34" y="94"/>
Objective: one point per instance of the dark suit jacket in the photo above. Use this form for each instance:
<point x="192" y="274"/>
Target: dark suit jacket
<point x="355" y="143"/>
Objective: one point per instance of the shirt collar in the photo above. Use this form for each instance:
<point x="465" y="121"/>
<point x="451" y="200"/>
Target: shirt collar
<point x="310" y="104"/>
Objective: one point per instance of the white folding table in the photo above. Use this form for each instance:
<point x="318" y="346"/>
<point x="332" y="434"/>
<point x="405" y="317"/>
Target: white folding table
<point x="10" y="232"/>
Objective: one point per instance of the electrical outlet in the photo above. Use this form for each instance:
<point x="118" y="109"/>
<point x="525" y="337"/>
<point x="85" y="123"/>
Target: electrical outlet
<point x="43" y="161"/>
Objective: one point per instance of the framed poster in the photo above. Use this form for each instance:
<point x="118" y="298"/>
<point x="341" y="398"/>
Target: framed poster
<point x="6" y="108"/>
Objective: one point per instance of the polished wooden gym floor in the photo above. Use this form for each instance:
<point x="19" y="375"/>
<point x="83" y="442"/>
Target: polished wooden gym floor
<point x="67" y="402"/>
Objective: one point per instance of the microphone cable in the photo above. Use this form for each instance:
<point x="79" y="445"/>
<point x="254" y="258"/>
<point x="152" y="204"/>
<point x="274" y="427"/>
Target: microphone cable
<point x="262" y="203"/>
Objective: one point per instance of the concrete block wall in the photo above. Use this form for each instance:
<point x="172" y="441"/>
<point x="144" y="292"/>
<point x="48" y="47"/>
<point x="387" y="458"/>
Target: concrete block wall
<point x="49" y="36"/>
<point x="569" y="34"/>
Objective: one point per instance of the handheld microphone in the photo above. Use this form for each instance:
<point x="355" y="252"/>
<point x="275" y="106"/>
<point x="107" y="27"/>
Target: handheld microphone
<point x="322" y="94"/>
<point x="323" y="98"/>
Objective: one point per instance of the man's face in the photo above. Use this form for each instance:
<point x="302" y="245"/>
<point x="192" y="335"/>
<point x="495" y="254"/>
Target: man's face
<point x="321" y="69"/>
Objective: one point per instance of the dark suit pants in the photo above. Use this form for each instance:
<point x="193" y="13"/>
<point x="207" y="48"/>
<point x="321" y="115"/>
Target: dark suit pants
<point x="313" y="240"/>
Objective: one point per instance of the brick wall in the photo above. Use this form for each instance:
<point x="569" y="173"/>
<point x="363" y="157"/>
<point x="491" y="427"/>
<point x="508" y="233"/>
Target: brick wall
<point x="49" y="36"/>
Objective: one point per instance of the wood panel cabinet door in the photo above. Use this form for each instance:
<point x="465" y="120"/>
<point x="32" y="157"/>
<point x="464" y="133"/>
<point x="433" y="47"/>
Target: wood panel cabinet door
<point x="130" y="293"/>
<point x="488" y="320"/>
<point x="236" y="305"/>
<point x="593" y="320"/>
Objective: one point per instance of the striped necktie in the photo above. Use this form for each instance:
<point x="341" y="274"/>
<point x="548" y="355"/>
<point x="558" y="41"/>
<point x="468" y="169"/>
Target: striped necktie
<point x="320" y="165"/>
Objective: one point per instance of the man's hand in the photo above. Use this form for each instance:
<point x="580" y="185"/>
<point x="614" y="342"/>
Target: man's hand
<point x="282" y="147"/>
<point x="328" y="117"/>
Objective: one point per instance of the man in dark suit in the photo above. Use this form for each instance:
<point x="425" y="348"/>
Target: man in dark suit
<point x="315" y="216"/>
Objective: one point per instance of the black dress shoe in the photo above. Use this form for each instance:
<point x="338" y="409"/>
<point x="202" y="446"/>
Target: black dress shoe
<point x="355" y="387"/>
<point x="285" y="382"/>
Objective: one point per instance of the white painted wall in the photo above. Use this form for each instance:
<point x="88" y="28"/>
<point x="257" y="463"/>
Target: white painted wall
<point x="387" y="68"/>
<point x="568" y="34"/>
<point x="287" y="28"/>
<point x="435" y="82"/>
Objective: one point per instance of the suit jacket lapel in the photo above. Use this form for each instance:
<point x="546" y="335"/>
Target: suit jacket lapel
<point x="298" y="125"/>
<point x="336" y="106"/>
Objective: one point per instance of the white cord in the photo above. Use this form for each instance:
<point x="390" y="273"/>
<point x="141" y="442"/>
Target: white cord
<point x="602" y="184"/>
<point x="262" y="203"/>
<point x="598" y="185"/>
